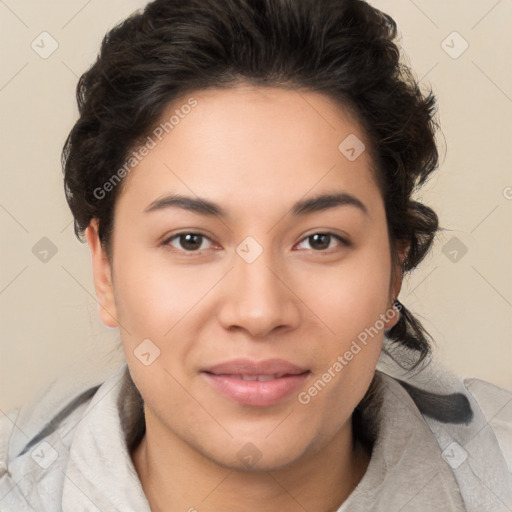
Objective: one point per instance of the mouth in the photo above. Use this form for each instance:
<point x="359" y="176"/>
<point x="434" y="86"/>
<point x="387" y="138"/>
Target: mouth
<point x="256" y="383"/>
<point x="260" y="378"/>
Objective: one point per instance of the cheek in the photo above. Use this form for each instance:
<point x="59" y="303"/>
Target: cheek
<point x="349" y="301"/>
<point x="350" y="297"/>
<point x="152" y="296"/>
<point x="155" y="301"/>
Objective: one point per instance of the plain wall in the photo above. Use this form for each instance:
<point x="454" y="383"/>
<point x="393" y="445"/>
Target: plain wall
<point x="49" y="316"/>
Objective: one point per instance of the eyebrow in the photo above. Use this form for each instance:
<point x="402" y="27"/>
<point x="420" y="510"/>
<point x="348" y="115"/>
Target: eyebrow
<point x="208" y="208"/>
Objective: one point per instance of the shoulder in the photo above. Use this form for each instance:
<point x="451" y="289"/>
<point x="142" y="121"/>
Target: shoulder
<point x="459" y="409"/>
<point x="496" y="405"/>
<point x="34" y="450"/>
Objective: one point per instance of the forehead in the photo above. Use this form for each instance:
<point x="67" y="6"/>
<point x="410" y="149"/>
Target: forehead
<point x="252" y="144"/>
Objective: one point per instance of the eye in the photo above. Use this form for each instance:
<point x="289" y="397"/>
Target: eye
<point x="322" y="241"/>
<point x="188" y="242"/>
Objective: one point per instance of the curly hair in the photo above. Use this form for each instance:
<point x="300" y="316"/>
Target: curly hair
<point x="344" y="49"/>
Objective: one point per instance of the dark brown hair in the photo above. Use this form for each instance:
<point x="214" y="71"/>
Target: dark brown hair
<point x="344" y="49"/>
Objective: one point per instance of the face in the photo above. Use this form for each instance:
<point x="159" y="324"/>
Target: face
<point x="251" y="325"/>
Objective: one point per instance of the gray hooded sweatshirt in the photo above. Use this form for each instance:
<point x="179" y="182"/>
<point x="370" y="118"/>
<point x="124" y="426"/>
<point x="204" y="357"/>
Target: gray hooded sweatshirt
<point x="440" y="443"/>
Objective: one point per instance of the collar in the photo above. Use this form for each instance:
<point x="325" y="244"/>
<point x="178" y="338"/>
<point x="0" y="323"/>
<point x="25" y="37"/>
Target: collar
<point x="406" y="470"/>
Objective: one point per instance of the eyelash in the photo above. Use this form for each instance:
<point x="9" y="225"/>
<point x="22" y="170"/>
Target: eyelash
<point x="167" y="245"/>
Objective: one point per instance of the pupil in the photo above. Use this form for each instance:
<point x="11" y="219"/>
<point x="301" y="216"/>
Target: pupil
<point x="191" y="241"/>
<point x="320" y="236"/>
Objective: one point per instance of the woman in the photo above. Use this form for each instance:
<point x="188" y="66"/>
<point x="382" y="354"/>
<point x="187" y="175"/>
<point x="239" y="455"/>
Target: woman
<point x="243" y="173"/>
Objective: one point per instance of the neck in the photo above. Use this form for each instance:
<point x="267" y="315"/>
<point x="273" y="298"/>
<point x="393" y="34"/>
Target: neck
<point x="175" y="477"/>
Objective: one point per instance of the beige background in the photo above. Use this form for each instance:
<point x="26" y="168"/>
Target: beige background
<point x="49" y="317"/>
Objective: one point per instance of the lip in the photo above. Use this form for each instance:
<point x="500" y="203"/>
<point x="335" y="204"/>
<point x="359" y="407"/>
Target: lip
<point x="282" y="379"/>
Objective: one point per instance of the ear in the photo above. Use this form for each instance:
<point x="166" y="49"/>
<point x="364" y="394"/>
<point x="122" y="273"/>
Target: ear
<point x="392" y="315"/>
<point x="102" y="273"/>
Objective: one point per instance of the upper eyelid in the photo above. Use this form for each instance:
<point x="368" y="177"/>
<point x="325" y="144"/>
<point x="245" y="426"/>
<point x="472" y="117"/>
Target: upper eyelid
<point x="341" y="239"/>
<point x="182" y="233"/>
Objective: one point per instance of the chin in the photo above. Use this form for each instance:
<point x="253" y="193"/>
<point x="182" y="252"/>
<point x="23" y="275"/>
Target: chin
<point x="259" y="455"/>
<point x="265" y="464"/>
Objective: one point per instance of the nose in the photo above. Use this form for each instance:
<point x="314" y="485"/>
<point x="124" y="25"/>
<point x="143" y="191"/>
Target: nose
<point x="258" y="299"/>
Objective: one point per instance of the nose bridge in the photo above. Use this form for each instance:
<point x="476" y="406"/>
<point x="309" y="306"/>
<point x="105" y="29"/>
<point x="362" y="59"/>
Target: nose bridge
<point x="257" y="300"/>
<point x="259" y="283"/>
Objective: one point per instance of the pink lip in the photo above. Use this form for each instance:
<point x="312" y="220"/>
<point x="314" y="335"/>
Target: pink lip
<point x="226" y="378"/>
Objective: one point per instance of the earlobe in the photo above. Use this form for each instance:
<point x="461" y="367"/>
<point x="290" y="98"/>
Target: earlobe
<point x="399" y="274"/>
<point x="102" y="274"/>
<point x="393" y="314"/>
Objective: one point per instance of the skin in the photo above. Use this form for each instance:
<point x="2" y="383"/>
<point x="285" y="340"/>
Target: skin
<point x="255" y="151"/>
